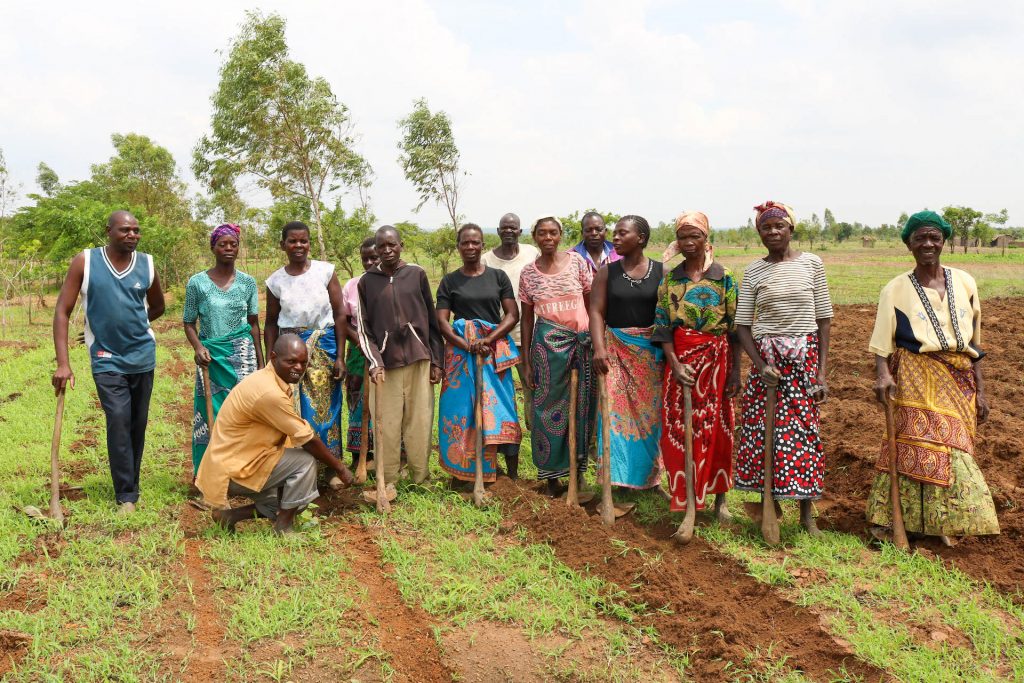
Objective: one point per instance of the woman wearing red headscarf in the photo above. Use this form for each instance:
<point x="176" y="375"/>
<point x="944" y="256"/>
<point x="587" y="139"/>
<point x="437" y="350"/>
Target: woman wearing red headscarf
<point x="695" y="324"/>
<point x="783" y="319"/>
<point x="224" y="302"/>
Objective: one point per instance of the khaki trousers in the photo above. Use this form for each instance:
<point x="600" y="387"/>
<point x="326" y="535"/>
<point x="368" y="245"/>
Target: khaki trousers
<point x="406" y="416"/>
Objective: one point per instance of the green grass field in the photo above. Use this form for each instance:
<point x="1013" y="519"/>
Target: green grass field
<point x="162" y="595"/>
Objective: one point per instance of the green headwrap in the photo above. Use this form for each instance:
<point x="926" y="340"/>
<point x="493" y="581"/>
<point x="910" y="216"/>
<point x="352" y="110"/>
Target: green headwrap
<point x="923" y="218"/>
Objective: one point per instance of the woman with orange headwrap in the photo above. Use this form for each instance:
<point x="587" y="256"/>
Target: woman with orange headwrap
<point x="783" y="319"/>
<point x="695" y="325"/>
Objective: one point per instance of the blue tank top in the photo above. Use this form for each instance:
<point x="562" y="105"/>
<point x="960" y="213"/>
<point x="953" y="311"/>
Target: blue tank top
<point x="117" y="329"/>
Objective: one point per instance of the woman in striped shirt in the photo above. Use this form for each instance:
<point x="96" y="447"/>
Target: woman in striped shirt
<point x="782" y="319"/>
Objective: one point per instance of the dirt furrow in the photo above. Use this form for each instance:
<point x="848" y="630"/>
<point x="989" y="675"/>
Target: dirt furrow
<point x="403" y="632"/>
<point x="700" y="601"/>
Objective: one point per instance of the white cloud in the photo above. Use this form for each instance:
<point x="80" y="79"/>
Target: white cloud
<point x="869" y="108"/>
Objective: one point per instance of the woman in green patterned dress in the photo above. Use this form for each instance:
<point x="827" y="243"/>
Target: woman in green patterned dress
<point x="225" y="303"/>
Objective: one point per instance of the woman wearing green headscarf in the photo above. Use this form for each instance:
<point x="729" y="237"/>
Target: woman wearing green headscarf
<point x="926" y="344"/>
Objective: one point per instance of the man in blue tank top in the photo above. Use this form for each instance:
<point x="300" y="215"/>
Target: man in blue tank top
<point x="120" y="295"/>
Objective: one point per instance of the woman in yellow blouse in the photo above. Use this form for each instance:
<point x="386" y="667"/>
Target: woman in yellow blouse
<point x="928" y="365"/>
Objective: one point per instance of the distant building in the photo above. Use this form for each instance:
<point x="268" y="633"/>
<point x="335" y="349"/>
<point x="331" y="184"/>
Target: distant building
<point x="867" y="242"/>
<point x="1001" y="241"/>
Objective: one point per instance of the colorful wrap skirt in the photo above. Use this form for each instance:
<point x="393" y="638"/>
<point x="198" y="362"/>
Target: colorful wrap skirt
<point x="232" y="358"/>
<point x="942" y="491"/>
<point x="634" y="408"/>
<point x="355" y="366"/>
<point x="456" y="422"/>
<point x="319" y="395"/>
<point x="798" y="471"/>
<point x="713" y="419"/>
<point x="554" y="352"/>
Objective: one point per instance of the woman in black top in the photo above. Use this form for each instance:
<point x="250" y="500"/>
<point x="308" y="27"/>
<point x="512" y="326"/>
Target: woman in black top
<point x="622" y="305"/>
<point x="483" y="303"/>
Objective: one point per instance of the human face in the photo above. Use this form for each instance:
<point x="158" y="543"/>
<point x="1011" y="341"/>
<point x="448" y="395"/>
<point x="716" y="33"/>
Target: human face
<point x="123" y="235"/>
<point x="594" y="232"/>
<point x="225" y="250"/>
<point x="926" y="245"/>
<point x="368" y="255"/>
<point x="775" y="234"/>
<point x="471" y="243"/>
<point x="509" y="230"/>
<point x="692" y="241"/>
<point x="548" y="236"/>
<point x="290" y="365"/>
<point x="296" y="245"/>
<point x="389" y="250"/>
<point x="625" y="238"/>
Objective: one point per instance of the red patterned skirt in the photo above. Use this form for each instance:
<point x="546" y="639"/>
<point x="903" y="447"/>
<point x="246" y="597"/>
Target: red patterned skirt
<point x="713" y="419"/>
<point x="798" y="471"/>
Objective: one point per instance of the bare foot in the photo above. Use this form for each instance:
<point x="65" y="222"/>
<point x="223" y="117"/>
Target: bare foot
<point x="285" y="522"/>
<point x="229" y="517"/>
<point x="721" y="510"/>
<point x="807" y="518"/>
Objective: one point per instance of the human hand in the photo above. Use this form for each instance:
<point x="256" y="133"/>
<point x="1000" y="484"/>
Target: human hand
<point x="981" y="402"/>
<point x="63" y="376"/>
<point x="601" y="363"/>
<point x="436" y="375"/>
<point x="527" y="376"/>
<point x="203" y="357"/>
<point x="684" y="374"/>
<point x="885" y="388"/>
<point x="377" y="375"/>
<point x="339" y="370"/>
<point x="770" y="375"/>
<point x="345" y="474"/>
<point x="732" y="385"/>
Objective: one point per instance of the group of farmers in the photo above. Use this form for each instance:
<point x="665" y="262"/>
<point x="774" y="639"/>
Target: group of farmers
<point x="659" y="344"/>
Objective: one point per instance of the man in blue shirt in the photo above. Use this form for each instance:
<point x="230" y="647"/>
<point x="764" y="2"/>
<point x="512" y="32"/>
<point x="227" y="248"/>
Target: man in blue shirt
<point x="120" y="294"/>
<point x="595" y="248"/>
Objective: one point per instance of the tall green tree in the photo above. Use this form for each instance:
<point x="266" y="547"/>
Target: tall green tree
<point x="274" y="123"/>
<point x="830" y="228"/>
<point x="440" y="246"/>
<point x="344" y="233"/>
<point x="572" y="225"/>
<point x="430" y="158"/>
<point x="47" y="179"/>
<point x="143" y="174"/>
<point x="962" y="219"/>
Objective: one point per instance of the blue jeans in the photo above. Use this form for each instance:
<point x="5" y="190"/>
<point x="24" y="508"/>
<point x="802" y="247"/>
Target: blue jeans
<point x="125" y="401"/>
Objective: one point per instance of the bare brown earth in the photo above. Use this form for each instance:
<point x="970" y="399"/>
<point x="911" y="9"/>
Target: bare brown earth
<point x="853" y="427"/>
<point x="701" y="601"/>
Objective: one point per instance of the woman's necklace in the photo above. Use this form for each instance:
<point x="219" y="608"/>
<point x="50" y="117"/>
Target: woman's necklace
<point x="634" y="282"/>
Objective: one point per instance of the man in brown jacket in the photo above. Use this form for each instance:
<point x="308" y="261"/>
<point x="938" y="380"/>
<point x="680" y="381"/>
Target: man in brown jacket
<point x="400" y="337"/>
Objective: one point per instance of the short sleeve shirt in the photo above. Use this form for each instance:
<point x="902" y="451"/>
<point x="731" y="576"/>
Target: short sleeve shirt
<point x="784" y="299"/>
<point x="915" y="318"/>
<point x="475" y="298"/>
<point x="304" y="299"/>
<point x="350" y="302"/>
<point x="219" y="311"/>
<point x="558" y="297"/>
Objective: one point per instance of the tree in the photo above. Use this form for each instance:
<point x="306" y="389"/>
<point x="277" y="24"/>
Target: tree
<point x="441" y="246"/>
<point x="8" y="188"/>
<point x="829" y="228"/>
<point x="274" y="123"/>
<point x="430" y="158"/>
<point x="844" y="231"/>
<point x="345" y="232"/>
<point x="962" y="219"/>
<point x="143" y="174"/>
<point x="47" y="180"/>
<point x="413" y="238"/>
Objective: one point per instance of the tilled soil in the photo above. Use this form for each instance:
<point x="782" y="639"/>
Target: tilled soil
<point x="699" y="600"/>
<point x="853" y="428"/>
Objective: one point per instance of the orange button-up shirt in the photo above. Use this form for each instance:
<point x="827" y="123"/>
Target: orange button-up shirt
<point x="254" y="426"/>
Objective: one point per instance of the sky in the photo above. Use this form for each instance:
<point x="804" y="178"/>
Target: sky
<point x="869" y="108"/>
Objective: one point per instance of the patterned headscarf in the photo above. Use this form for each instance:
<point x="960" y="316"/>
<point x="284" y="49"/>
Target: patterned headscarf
<point x="693" y="219"/>
<point x="925" y="218"/>
<point x="772" y="209"/>
<point x="224" y="229"/>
